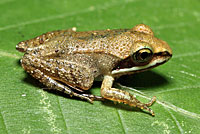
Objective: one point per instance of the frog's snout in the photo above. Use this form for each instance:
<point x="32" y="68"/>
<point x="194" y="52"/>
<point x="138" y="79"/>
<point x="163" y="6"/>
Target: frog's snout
<point x="167" y="51"/>
<point x="166" y="55"/>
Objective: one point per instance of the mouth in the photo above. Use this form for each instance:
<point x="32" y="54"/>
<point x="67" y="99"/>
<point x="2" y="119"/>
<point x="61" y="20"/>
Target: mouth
<point x="158" y="59"/>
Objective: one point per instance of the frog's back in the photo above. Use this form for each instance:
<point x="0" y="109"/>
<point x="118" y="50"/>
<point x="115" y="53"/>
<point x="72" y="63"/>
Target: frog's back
<point x="113" y="42"/>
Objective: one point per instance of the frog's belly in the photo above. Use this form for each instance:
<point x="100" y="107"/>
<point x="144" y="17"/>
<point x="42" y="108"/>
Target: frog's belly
<point x="99" y="78"/>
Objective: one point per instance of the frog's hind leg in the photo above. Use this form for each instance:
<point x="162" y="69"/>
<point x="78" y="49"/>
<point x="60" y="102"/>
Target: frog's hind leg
<point x="53" y="84"/>
<point x="23" y="45"/>
<point x="33" y="65"/>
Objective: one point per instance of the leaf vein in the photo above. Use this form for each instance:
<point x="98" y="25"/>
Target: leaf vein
<point x="175" y="89"/>
<point x="59" y="105"/>
<point x="4" y="124"/>
<point x="59" y="16"/>
<point x="6" y="54"/>
<point x="186" y="54"/>
<point x="176" y="122"/>
<point x="120" y="120"/>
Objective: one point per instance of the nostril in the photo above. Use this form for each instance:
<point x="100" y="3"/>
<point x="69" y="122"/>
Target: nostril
<point x="21" y="46"/>
<point x="165" y="53"/>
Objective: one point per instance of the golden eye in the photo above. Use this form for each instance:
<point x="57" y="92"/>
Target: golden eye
<point x="143" y="55"/>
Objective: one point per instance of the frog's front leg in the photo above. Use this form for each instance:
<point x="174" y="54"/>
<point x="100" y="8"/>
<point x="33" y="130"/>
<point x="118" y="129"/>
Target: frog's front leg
<point x="117" y="95"/>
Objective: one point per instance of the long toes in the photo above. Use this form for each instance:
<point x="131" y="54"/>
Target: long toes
<point x="149" y="110"/>
<point x="93" y="97"/>
<point x="88" y="99"/>
<point x="151" y="101"/>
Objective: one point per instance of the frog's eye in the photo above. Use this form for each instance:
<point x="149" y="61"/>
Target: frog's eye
<point x="143" y="55"/>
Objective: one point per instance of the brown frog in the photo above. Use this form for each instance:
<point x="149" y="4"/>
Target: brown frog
<point x="70" y="61"/>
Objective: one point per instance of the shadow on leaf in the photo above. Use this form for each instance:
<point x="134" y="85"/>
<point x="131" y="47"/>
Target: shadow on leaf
<point x="148" y="79"/>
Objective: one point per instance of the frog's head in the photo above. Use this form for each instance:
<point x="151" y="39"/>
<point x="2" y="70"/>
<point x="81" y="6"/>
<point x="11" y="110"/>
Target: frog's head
<point x="147" y="52"/>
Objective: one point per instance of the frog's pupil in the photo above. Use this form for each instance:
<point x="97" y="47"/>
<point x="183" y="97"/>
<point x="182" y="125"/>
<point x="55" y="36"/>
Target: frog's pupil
<point x="144" y="55"/>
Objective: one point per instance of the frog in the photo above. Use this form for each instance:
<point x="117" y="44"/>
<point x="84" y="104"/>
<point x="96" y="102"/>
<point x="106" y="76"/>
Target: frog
<point x="70" y="61"/>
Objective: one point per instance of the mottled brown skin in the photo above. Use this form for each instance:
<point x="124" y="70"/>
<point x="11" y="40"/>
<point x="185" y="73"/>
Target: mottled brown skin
<point x="66" y="60"/>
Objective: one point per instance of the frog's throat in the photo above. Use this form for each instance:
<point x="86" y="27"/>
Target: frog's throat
<point x="140" y="68"/>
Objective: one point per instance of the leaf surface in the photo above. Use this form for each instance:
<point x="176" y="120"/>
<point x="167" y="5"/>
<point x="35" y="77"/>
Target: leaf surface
<point x="25" y="108"/>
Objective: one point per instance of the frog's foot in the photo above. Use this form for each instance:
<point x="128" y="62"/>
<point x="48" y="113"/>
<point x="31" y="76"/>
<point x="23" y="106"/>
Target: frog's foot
<point x="122" y="96"/>
<point x="151" y="101"/>
<point x="140" y="105"/>
<point x="126" y="98"/>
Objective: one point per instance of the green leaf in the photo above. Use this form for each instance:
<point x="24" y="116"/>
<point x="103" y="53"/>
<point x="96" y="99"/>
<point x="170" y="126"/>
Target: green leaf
<point x="26" y="108"/>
